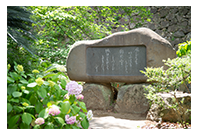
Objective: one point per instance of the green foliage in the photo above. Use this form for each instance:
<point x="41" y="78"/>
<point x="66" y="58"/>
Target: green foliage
<point x="20" y="37"/>
<point x="31" y="96"/>
<point x="58" y="27"/>
<point x="184" y="48"/>
<point x="19" y="25"/>
<point x="178" y="72"/>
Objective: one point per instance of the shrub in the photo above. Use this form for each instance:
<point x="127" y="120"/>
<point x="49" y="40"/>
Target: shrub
<point x="40" y="100"/>
<point x="184" y="48"/>
<point x="178" y="72"/>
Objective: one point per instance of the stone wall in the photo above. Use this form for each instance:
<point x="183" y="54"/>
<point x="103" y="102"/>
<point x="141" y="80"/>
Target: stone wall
<point x="171" y="22"/>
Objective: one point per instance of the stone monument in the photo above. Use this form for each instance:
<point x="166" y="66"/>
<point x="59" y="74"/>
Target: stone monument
<point x="118" y="57"/>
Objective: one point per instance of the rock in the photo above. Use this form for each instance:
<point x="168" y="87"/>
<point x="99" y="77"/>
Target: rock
<point x="164" y="24"/>
<point x="154" y="10"/>
<point x="170" y="16"/>
<point x="132" y="25"/>
<point x="118" y="57"/>
<point x="151" y="26"/>
<point x="157" y="113"/>
<point x="131" y="99"/>
<point x="97" y="96"/>
<point x="178" y="34"/>
<point x="172" y="28"/>
<point x="163" y="12"/>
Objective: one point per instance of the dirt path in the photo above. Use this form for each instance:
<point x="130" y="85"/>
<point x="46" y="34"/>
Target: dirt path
<point x="111" y="120"/>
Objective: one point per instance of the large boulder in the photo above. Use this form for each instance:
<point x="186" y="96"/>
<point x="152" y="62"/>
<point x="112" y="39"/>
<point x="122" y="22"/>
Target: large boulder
<point x="118" y="57"/>
<point x="157" y="113"/>
<point x="97" y="96"/>
<point x="131" y="99"/>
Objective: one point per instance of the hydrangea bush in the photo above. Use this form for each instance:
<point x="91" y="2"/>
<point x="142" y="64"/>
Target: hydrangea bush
<point x="45" y="100"/>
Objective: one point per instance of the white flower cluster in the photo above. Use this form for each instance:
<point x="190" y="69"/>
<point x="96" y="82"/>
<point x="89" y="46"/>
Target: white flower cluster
<point x="89" y="115"/>
<point x="61" y="68"/>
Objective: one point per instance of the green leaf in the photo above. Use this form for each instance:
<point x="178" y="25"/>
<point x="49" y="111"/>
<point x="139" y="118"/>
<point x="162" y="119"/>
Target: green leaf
<point x="82" y="115"/>
<point x="44" y="113"/>
<point x="75" y="127"/>
<point x="42" y="92"/>
<point x="14" y="75"/>
<point x="38" y="107"/>
<point x="33" y="99"/>
<point x="63" y="83"/>
<point x="49" y="126"/>
<point x="14" y="100"/>
<point x="72" y="98"/>
<point x="83" y="106"/>
<point x="26" y="118"/>
<point x="36" y="126"/>
<point x="32" y="84"/>
<point x="49" y="75"/>
<point x="9" y="107"/>
<point x="12" y="121"/>
<point x="10" y="79"/>
<point x="76" y="108"/>
<point x="60" y="120"/>
<point x="65" y="107"/>
<point x="55" y="77"/>
<point x="85" y="123"/>
<point x="24" y="126"/>
<point x="23" y="81"/>
<point x="17" y="94"/>
<point x="11" y="89"/>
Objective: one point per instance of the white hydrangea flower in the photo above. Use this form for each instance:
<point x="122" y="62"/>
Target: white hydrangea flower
<point x="62" y="77"/>
<point x="61" y="68"/>
<point x="89" y="115"/>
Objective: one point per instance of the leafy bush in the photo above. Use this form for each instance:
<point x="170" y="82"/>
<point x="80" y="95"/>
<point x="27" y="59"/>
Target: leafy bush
<point x="184" y="48"/>
<point x="44" y="100"/>
<point x="58" y="27"/>
<point x="178" y="72"/>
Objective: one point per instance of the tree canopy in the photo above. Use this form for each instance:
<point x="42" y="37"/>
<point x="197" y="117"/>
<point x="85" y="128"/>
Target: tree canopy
<point x="58" y="27"/>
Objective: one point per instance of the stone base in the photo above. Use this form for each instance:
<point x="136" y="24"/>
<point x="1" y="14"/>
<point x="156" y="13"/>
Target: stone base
<point x="97" y="96"/>
<point x="131" y="99"/>
<point x="157" y="113"/>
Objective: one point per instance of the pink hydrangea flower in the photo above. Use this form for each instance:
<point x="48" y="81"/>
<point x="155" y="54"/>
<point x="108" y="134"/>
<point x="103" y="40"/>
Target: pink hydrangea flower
<point x="74" y="88"/>
<point x="70" y="120"/>
<point x="80" y="97"/>
<point x="54" y="110"/>
<point x="39" y="121"/>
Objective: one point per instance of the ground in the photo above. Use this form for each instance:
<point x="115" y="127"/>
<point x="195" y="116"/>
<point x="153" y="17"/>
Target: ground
<point x="111" y="120"/>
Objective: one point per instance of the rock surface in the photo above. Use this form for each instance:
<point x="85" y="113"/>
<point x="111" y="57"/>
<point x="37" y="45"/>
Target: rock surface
<point x="156" y="49"/>
<point x="97" y="96"/>
<point x="157" y="113"/>
<point x="131" y="99"/>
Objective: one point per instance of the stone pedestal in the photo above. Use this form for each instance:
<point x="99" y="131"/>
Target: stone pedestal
<point x="131" y="99"/>
<point x="97" y="96"/>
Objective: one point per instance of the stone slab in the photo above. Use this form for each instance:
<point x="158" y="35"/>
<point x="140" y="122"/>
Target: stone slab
<point x="118" y="57"/>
